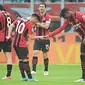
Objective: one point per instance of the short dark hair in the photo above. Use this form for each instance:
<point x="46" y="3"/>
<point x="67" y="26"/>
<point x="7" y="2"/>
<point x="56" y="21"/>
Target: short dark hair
<point x="2" y="8"/>
<point x="43" y="3"/>
<point x="63" y="11"/>
<point x="38" y="17"/>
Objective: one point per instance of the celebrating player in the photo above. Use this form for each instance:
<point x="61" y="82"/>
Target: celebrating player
<point x="39" y="44"/>
<point x="5" y="44"/>
<point x="77" y="20"/>
<point x="24" y="29"/>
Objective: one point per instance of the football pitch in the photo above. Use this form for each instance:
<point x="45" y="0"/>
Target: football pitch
<point x="59" y="74"/>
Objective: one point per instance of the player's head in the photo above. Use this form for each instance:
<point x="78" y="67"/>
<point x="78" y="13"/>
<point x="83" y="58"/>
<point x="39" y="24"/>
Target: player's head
<point x="35" y="18"/>
<point x="42" y="7"/>
<point x="2" y="8"/>
<point x="66" y="13"/>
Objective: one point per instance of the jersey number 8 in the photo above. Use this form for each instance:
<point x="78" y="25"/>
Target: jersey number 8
<point x="8" y="22"/>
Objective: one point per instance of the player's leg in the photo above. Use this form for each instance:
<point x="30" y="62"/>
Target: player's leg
<point x="21" y="69"/>
<point x="36" y="49"/>
<point x="34" y="61"/>
<point x="46" y="62"/>
<point x="7" y="52"/>
<point x="20" y="64"/>
<point x="45" y="49"/>
<point x="24" y="55"/>
<point x="82" y="58"/>
<point x="27" y="68"/>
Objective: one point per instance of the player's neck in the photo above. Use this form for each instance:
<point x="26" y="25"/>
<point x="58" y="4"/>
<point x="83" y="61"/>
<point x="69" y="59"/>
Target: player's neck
<point x="42" y="13"/>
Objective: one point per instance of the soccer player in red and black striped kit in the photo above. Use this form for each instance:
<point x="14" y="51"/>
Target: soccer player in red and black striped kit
<point x="77" y="20"/>
<point x="24" y="29"/>
<point x="43" y="45"/>
<point x="5" y="44"/>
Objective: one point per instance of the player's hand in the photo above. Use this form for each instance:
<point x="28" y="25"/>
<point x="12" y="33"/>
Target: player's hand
<point x="84" y="41"/>
<point x="40" y="37"/>
<point x="7" y="37"/>
<point x="37" y="24"/>
<point x="77" y="25"/>
<point x="46" y="36"/>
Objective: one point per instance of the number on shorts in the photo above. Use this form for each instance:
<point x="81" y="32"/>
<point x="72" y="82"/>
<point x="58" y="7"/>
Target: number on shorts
<point x="20" y="27"/>
<point x="47" y="47"/>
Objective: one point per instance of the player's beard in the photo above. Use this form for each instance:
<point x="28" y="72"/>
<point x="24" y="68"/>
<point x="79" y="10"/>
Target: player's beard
<point x="70" y="17"/>
<point x="42" y="11"/>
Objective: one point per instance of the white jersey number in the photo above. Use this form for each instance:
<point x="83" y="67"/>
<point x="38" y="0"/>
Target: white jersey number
<point x="20" y="27"/>
<point x="8" y="22"/>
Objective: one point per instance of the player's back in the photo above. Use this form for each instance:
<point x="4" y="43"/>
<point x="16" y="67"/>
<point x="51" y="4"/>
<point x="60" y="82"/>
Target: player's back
<point x="5" y="21"/>
<point x="21" y="35"/>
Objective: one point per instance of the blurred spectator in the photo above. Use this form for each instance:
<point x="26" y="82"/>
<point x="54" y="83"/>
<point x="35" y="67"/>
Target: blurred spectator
<point x="72" y="0"/>
<point x="26" y="0"/>
<point x="43" y="0"/>
<point x="80" y="0"/>
<point x="53" y="0"/>
<point x="13" y="0"/>
<point x="75" y="0"/>
<point x="17" y="0"/>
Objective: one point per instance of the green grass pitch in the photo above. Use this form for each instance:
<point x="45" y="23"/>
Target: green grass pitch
<point x="59" y="74"/>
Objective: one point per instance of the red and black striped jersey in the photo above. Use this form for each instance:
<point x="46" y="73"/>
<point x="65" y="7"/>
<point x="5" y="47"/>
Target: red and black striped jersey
<point x="78" y="17"/>
<point x="23" y="28"/>
<point x="42" y="31"/>
<point x="5" y="22"/>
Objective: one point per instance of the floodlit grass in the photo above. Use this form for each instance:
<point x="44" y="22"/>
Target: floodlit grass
<point x="59" y="74"/>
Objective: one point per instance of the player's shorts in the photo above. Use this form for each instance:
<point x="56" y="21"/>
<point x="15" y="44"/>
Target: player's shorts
<point x="22" y="52"/>
<point x="82" y="47"/>
<point x="42" y="45"/>
<point x="5" y="46"/>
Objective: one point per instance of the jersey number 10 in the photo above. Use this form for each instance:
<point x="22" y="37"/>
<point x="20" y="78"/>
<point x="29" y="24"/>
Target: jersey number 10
<point x="20" y="27"/>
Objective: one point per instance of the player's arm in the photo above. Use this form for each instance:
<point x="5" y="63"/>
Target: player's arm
<point x="45" y="25"/>
<point x="10" y="30"/>
<point x="0" y="22"/>
<point x="58" y="30"/>
<point x="33" y="37"/>
<point x="31" y="33"/>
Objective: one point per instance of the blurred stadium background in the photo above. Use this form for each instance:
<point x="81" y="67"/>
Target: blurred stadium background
<point x="64" y="49"/>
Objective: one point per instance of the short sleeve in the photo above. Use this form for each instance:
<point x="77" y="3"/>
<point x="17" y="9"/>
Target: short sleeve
<point x="30" y="27"/>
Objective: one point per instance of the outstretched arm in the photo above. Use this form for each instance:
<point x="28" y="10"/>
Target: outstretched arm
<point x="35" y="37"/>
<point x="58" y="30"/>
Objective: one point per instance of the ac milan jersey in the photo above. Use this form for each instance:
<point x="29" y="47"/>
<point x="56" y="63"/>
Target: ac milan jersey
<point x="5" y="21"/>
<point x="78" y="17"/>
<point x="23" y="28"/>
<point x="42" y="31"/>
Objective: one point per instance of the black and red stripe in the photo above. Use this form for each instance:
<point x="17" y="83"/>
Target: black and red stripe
<point x="42" y="31"/>
<point x="18" y="37"/>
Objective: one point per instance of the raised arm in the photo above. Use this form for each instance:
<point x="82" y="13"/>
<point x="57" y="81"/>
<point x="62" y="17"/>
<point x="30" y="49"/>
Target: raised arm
<point x="31" y="34"/>
<point x="45" y="25"/>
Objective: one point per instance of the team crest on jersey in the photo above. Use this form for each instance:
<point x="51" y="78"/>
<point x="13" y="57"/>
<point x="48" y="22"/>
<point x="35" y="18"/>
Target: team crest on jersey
<point x="34" y="29"/>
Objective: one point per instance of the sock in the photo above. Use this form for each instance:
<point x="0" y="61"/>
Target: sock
<point x="34" y="63"/>
<point x="21" y="69"/>
<point x="9" y="69"/>
<point x="46" y="61"/>
<point x="27" y="69"/>
<point x="83" y="66"/>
